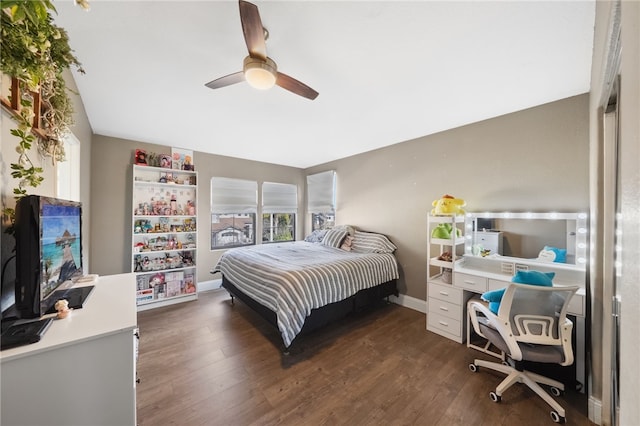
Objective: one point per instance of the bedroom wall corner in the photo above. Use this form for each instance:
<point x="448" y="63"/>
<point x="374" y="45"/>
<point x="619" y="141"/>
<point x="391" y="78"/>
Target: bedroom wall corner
<point x="111" y="188"/>
<point x="532" y="160"/>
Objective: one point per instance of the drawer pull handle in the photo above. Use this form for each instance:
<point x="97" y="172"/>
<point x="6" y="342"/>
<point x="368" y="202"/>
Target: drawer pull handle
<point x="444" y="293"/>
<point x="470" y="282"/>
<point x="444" y="308"/>
<point x="444" y="323"/>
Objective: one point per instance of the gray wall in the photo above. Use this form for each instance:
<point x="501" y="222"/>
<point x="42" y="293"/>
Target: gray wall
<point x="111" y="188"/>
<point x="535" y="160"/>
<point x="532" y="160"/>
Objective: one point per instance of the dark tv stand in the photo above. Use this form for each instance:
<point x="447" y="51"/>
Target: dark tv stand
<point x="76" y="296"/>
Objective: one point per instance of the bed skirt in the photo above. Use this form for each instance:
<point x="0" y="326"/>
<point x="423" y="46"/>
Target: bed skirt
<point x="324" y="315"/>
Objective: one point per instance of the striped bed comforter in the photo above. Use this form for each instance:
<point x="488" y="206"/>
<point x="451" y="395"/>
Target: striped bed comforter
<point x="293" y="278"/>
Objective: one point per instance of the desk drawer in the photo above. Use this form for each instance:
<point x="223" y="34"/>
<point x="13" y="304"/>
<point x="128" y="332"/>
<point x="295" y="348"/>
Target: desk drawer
<point x="448" y="293"/>
<point x="470" y="282"/>
<point x="498" y="284"/>
<point x="443" y="323"/>
<point x="447" y="309"/>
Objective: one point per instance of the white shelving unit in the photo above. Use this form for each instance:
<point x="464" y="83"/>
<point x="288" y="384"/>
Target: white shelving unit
<point x="164" y="236"/>
<point x="445" y="303"/>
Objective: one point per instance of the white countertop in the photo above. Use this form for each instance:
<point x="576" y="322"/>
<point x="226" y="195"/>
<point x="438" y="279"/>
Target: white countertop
<point x="109" y="309"/>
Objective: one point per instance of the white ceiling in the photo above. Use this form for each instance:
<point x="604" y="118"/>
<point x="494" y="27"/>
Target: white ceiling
<point x="386" y="71"/>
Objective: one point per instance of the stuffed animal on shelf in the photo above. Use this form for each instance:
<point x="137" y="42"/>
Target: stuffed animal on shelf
<point x="443" y="231"/>
<point x="448" y="205"/>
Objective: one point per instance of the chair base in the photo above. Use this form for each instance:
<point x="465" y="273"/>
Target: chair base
<point x="530" y="379"/>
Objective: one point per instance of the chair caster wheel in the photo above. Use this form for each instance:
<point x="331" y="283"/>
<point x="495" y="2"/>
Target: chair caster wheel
<point x="495" y="397"/>
<point x="557" y="417"/>
<point x="473" y="368"/>
<point x="555" y="391"/>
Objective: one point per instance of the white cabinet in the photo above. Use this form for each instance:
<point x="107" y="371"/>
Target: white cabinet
<point x="489" y="242"/>
<point x="82" y="372"/>
<point x="445" y="304"/>
<point x="164" y="235"/>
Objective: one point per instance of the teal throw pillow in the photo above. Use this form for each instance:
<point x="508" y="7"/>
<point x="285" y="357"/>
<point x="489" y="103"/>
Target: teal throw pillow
<point x="561" y="254"/>
<point x="494" y="297"/>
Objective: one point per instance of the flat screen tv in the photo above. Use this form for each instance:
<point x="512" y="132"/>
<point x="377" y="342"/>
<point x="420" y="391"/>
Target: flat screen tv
<point x="48" y="235"/>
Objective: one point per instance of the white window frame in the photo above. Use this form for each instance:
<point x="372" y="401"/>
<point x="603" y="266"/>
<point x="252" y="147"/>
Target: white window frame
<point x="278" y="199"/>
<point x="321" y="199"/>
<point x="232" y="201"/>
<point x="68" y="171"/>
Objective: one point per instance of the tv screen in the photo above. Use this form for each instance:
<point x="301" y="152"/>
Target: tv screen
<point x="60" y="245"/>
<point x="48" y="251"/>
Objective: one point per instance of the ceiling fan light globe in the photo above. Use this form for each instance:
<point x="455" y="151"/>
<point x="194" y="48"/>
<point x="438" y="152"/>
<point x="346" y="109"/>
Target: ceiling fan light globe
<point x="259" y="78"/>
<point x="260" y="74"/>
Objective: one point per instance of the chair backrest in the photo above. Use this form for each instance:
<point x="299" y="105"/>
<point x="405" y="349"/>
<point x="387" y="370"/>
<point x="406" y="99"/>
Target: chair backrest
<point x="538" y="314"/>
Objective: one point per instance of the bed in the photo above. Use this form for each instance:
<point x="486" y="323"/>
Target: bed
<point x="301" y="286"/>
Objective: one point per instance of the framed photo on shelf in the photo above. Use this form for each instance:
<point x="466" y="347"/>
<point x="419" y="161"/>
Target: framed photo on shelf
<point x="165" y="161"/>
<point x="182" y="159"/>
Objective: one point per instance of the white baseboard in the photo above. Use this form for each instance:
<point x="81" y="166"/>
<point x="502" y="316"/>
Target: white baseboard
<point x="209" y="285"/>
<point x="595" y="410"/>
<point x="410" y="302"/>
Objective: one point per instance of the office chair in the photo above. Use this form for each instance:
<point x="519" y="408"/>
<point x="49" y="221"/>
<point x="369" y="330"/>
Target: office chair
<point x="531" y="325"/>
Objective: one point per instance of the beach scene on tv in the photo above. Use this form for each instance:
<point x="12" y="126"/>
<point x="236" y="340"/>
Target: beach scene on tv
<point x="61" y="247"/>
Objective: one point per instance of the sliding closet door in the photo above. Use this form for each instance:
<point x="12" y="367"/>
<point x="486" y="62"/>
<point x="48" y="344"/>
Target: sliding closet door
<point x="612" y="257"/>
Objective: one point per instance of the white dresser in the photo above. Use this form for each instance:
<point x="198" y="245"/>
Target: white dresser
<point x="82" y="372"/>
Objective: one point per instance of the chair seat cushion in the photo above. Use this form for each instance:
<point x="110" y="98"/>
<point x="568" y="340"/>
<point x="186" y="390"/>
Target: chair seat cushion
<point x="530" y="352"/>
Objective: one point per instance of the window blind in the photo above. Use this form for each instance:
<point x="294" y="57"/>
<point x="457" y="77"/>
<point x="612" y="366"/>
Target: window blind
<point x="233" y="195"/>
<point x="279" y="198"/>
<point x="321" y="194"/>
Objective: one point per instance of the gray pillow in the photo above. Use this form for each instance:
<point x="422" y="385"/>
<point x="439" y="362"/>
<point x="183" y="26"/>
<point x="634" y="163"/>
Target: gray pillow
<point x="370" y="242"/>
<point x="334" y="237"/>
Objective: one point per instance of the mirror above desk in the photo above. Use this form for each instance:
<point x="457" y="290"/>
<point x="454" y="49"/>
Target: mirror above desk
<point x="534" y="238"/>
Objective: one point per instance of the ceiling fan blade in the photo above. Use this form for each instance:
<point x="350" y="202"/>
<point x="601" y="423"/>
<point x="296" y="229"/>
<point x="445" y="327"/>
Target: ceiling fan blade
<point x="227" y="80"/>
<point x="295" y="86"/>
<point x="253" y="30"/>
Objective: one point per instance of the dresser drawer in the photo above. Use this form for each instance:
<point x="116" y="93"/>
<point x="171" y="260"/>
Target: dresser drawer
<point x="446" y="309"/>
<point x="443" y="323"/>
<point x="470" y="282"/>
<point x="448" y="293"/>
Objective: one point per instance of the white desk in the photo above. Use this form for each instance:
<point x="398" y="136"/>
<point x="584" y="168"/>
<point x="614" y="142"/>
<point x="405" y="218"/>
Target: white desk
<point x="82" y="372"/>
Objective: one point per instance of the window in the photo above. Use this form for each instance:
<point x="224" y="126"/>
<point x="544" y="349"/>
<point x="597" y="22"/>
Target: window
<point x="321" y="199"/>
<point x="68" y="171"/>
<point x="322" y="221"/>
<point x="234" y="203"/>
<point x="279" y="208"/>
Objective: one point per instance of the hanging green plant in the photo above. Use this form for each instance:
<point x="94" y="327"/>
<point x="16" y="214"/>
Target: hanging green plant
<point x="35" y="52"/>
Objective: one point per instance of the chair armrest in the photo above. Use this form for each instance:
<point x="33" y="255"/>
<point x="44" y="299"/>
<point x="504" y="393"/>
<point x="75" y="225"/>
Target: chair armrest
<point x="501" y="326"/>
<point x="473" y="308"/>
<point x="565" y="334"/>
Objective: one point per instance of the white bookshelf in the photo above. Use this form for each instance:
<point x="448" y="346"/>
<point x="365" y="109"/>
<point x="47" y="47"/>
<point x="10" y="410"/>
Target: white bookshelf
<point x="164" y="236"/>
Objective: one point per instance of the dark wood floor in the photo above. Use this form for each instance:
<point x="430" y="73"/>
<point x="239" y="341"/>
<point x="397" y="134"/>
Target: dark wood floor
<point x="210" y="363"/>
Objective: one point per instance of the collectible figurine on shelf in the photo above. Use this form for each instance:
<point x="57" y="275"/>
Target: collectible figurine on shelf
<point x="62" y="306"/>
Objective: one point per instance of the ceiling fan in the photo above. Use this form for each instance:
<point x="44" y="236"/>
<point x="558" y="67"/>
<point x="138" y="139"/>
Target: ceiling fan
<point x="259" y="70"/>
